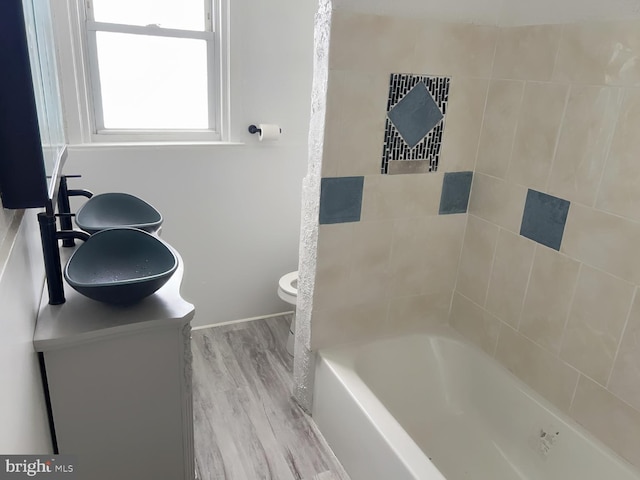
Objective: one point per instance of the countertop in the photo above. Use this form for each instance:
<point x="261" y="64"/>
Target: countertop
<point x="81" y="320"/>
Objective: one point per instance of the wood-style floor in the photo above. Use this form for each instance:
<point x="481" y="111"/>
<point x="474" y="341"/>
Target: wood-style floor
<point x="247" y="425"/>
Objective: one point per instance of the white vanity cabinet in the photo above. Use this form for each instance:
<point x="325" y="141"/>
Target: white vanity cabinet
<point x="119" y="384"/>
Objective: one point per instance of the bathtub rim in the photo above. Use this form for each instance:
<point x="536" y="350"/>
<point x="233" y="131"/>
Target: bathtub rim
<point x="388" y="428"/>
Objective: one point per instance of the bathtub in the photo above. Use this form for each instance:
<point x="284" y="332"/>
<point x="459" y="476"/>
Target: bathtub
<point x="433" y="407"/>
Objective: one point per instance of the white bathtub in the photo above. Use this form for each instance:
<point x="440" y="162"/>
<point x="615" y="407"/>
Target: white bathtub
<point x="433" y="407"/>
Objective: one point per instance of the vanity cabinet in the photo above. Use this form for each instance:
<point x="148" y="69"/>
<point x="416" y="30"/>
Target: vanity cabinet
<point x="118" y="382"/>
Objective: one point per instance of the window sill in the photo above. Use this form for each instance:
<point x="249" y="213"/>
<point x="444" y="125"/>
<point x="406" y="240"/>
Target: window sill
<point x="136" y="145"/>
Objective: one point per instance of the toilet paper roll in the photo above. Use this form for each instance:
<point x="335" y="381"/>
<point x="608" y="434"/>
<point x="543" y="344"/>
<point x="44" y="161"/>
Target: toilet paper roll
<point x="269" y="131"/>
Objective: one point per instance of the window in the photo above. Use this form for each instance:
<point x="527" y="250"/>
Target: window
<point x="154" y="69"/>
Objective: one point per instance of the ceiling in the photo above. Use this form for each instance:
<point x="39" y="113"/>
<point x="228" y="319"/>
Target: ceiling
<point x="500" y="12"/>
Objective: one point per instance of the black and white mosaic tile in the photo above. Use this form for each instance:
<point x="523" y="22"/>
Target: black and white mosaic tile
<point x="416" y="112"/>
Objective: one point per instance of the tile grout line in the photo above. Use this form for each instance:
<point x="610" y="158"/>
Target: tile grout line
<point x="557" y="55"/>
<point x="561" y="82"/>
<point x="484" y="115"/>
<point x="600" y="210"/>
<point x="526" y="187"/>
<point x="622" y="95"/>
<point x="486" y="102"/>
<point x="621" y="400"/>
<point x="388" y="296"/>
<point x="466" y="223"/>
<point x="566" y="320"/>
<point x="581" y="204"/>
<point x="531" y="341"/>
<point x="575" y="391"/>
<point x="484" y="310"/>
<point x="540" y="346"/>
<point x="516" y="129"/>
<point x="455" y="285"/>
<point x="495" y="347"/>
<point x="493" y="264"/>
<point x="561" y="129"/>
<point x="526" y="288"/>
<point x="622" y="333"/>
<point x="495" y="53"/>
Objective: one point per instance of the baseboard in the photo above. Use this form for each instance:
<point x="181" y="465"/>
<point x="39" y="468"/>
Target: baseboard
<point x="242" y="320"/>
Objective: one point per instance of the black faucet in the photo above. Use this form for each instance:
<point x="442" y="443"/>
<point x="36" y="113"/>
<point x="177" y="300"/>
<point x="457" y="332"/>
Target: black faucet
<point x="50" y="235"/>
<point x="64" y="208"/>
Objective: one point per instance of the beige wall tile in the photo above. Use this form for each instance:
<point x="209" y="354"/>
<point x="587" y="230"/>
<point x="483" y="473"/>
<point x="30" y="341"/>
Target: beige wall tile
<point x="467" y="97"/>
<point x="475" y="323"/>
<point x="499" y="128"/>
<point x="371" y="42"/>
<point x="354" y="131"/>
<point x="497" y="201"/>
<point x="476" y="260"/>
<point x="527" y="53"/>
<point x="538" y="368"/>
<point x="619" y="192"/>
<point x="538" y="128"/>
<point x="597" y="317"/>
<point x="333" y="326"/>
<point x="410" y="314"/>
<point x="625" y="378"/>
<point x="425" y="254"/>
<point x="606" y="53"/>
<point x="401" y="196"/>
<point x="584" y="142"/>
<point x="548" y="298"/>
<point x="333" y="267"/>
<point x="612" y="421"/>
<point x="370" y="274"/>
<point x="469" y="49"/>
<point x="604" y="241"/>
<point x="510" y="276"/>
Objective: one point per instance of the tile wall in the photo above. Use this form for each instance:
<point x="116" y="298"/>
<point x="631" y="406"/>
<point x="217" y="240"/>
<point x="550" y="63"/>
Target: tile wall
<point x="549" y="272"/>
<point x="541" y="268"/>
<point x="392" y="267"/>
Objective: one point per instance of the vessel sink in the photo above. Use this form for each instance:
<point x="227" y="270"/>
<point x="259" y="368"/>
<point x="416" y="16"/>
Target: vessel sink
<point x="109" y="210"/>
<point x="120" y="266"/>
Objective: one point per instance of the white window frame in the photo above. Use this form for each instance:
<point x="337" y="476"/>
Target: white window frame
<point x="217" y="81"/>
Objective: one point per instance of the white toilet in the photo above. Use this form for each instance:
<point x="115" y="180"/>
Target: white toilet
<point x="288" y="292"/>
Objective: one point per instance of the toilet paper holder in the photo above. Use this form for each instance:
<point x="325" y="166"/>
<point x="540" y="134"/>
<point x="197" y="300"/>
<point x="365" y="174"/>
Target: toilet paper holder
<point x="253" y="129"/>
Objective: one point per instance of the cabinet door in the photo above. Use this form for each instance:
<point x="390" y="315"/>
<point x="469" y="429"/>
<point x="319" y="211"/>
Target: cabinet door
<point x="121" y="406"/>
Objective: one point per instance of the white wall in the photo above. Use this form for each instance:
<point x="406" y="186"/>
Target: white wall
<point x="23" y="413"/>
<point x="500" y="12"/>
<point x="233" y="212"/>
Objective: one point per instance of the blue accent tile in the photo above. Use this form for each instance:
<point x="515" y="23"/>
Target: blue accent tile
<point x="415" y="115"/>
<point x="456" y="188"/>
<point x="544" y="218"/>
<point x="340" y="199"/>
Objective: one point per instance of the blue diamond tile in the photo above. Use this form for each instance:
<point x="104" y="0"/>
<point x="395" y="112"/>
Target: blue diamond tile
<point x="544" y="218"/>
<point x="415" y="115"/>
<point x="340" y="199"/>
<point x="456" y="188"/>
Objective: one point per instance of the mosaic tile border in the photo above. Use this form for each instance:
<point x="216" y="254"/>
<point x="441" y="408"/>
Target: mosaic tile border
<point x="428" y="149"/>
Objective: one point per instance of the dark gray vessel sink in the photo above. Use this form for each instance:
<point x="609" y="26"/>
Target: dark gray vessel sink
<point x="109" y="210"/>
<point x="120" y="266"/>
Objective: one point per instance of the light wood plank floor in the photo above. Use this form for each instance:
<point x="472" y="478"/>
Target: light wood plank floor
<point x="247" y="425"/>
